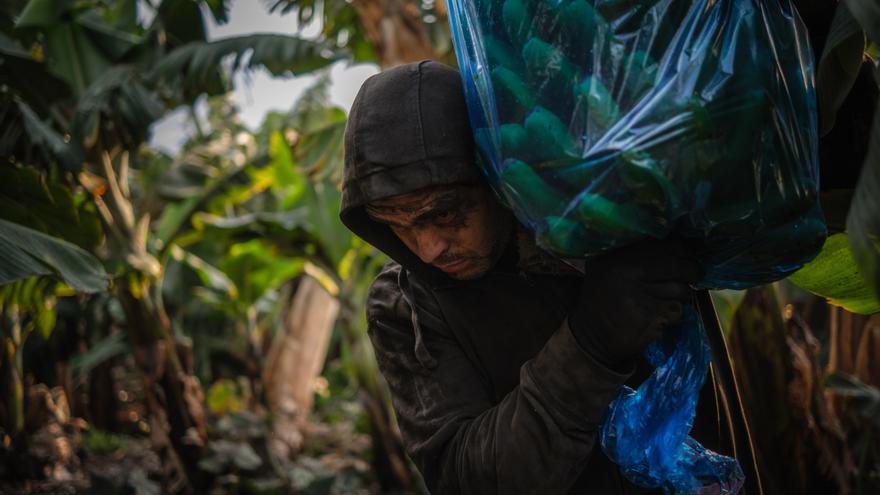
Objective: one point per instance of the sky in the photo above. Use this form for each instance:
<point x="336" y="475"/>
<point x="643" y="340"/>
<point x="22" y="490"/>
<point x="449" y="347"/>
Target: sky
<point x="258" y="92"/>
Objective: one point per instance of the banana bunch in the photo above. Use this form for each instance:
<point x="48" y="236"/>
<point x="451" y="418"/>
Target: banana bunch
<point x="617" y="120"/>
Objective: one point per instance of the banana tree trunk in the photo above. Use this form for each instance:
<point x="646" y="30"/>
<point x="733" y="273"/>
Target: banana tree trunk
<point x="799" y="442"/>
<point x="294" y="362"/>
<point x="173" y="395"/>
<point x="855" y="345"/>
<point x="12" y="415"/>
<point x="395" y="29"/>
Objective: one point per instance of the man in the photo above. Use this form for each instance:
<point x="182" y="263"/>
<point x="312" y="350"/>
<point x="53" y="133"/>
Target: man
<point x="501" y="358"/>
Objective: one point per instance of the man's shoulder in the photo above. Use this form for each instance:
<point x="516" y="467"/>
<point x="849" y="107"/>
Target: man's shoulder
<point x="395" y="325"/>
<point x="396" y="293"/>
<point x="385" y="298"/>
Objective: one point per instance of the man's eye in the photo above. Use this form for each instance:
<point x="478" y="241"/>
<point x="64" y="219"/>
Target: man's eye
<point x="445" y="215"/>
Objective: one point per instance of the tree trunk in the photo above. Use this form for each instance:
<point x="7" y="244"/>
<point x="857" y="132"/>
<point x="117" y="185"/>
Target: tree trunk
<point x="799" y="442"/>
<point x="295" y="360"/>
<point x="103" y="408"/>
<point x="855" y="350"/>
<point x="173" y="395"/>
<point x="11" y="375"/>
<point x="855" y="345"/>
<point x="395" y="29"/>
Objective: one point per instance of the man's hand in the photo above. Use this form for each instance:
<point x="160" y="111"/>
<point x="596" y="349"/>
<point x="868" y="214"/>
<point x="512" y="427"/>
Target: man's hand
<point x="630" y="296"/>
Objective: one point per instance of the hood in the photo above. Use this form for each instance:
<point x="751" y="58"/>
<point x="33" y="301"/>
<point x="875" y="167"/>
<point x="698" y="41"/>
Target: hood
<point x="407" y="130"/>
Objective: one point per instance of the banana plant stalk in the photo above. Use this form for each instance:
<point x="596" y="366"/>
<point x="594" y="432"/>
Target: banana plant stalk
<point x="173" y="394"/>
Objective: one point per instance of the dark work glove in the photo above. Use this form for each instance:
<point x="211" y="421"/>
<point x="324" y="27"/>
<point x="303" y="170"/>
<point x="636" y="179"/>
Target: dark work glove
<point x="630" y="296"/>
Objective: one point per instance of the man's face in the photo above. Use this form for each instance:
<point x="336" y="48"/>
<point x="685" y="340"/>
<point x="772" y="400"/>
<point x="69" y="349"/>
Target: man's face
<point x="462" y="230"/>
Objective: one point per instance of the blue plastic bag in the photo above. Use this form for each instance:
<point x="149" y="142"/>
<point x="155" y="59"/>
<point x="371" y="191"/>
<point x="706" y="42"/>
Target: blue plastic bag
<point x="646" y="430"/>
<point x="603" y="122"/>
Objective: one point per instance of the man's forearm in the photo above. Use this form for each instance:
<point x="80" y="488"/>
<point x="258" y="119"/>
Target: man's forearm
<point x="540" y="436"/>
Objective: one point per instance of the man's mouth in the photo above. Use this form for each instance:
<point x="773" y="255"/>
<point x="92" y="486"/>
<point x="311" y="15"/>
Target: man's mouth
<point x="452" y="267"/>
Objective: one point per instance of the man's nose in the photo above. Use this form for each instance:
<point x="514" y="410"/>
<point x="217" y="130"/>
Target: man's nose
<point x="430" y="245"/>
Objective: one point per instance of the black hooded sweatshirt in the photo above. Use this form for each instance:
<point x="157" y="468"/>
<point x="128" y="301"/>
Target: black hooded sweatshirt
<point x="491" y="390"/>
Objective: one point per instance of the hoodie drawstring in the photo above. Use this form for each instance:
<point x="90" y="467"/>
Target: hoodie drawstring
<point x="421" y="350"/>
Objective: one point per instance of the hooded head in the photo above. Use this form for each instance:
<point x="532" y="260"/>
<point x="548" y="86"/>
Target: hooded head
<point x="407" y="131"/>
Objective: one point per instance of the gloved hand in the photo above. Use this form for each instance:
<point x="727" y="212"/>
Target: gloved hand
<point x="629" y="296"/>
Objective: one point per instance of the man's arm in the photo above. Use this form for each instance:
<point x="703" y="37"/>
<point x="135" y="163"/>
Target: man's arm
<point x="536" y="440"/>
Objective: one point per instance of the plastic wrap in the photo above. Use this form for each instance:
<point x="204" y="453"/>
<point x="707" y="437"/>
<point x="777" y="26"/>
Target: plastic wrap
<point x="601" y="123"/>
<point x="646" y="430"/>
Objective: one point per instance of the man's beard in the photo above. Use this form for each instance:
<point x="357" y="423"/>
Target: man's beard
<point x="480" y="265"/>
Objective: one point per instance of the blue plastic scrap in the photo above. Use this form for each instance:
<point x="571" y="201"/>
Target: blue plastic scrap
<point x="605" y="122"/>
<point x="646" y="430"/>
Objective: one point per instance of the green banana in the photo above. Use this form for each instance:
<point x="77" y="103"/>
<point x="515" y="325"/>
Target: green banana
<point x="646" y="180"/>
<point x="601" y="109"/>
<point x="517" y="21"/>
<point x="500" y="54"/>
<point x="565" y="236"/>
<point x="513" y="96"/>
<point x="515" y="142"/>
<point x="548" y="136"/>
<point x="615" y="220"/>
<point x="578" y="24"/>
<point x="533" y="195"/>
<point x="545" y="62"/>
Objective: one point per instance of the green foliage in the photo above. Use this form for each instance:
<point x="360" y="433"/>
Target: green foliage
<point x="224" y="397"/>
<point x="181" y="20"/>
<point x="868" y="14"/>
<point x="93" y="61"/>
<point x="853" y="20"/>
<point x="210" y="276"/>
<point x="102" y="442"/>
<point x="839" y="65"/>
<point x="27" y="76"/>
<point x="26" y="252"/>
<point x="863" y="221"/>
<point x="27" y="135"/>
<point x="79" y="45"/>
<point x="208" y="241"/>
<point x="106" y="348"/>
<point x="219" y="9"/>
<point x="843" y="56"/>
<point x="834" y="275"/>
<point x="28" y="199"/>
<point x="258" y="266"/>
<point x="195" y="63"/>
<point x="30" y="303"/>
<point x="339" y="24"/>
<point x="117" y="104"/>
<point x="320" y="150"/>
<point x="286" y="182"/>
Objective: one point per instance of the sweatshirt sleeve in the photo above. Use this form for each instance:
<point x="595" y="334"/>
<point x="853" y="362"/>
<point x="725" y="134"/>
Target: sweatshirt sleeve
<point x="536" y="440"/>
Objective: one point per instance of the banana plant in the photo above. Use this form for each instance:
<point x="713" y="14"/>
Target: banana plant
<point x="847" y="271"/>
<point x="85" y="80"/>
<point x="277" y="219"/>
